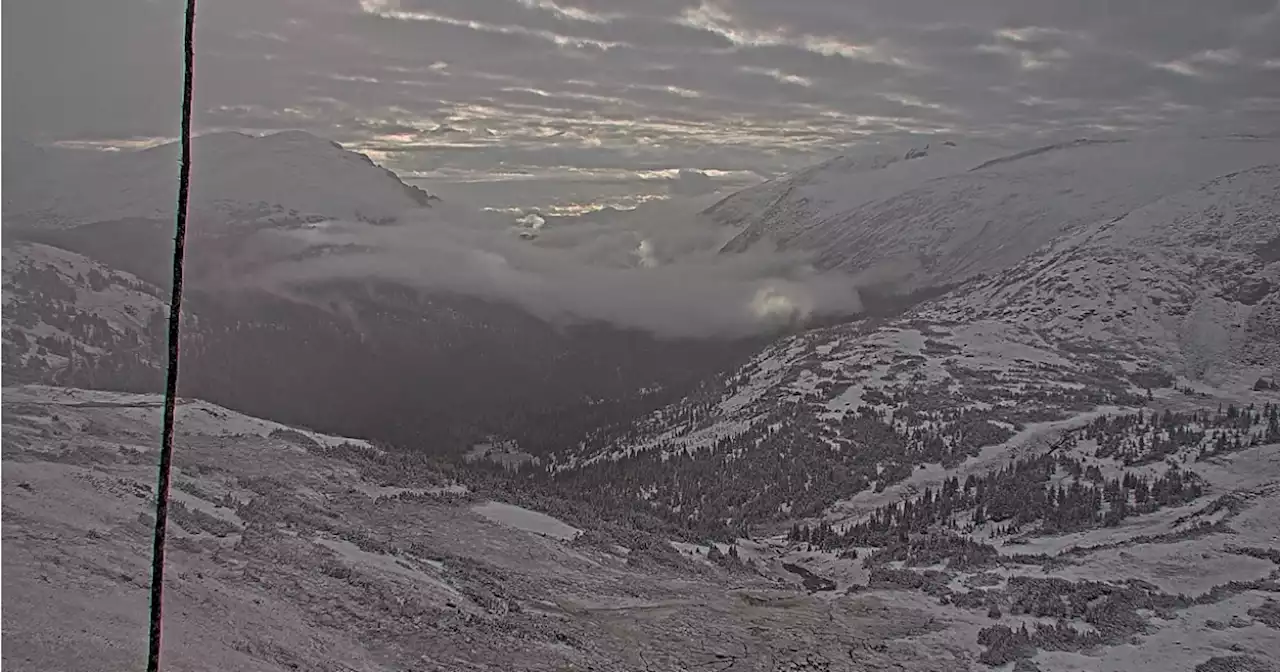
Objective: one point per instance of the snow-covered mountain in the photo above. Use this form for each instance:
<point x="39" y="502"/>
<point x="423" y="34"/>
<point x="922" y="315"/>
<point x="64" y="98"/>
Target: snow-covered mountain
<point x="1190" y="281"/>
<point x="1170" y="300"/>
<point x="356" y="355"/>
<point x="369" y="359"/>
<point x="1093" y="428"/>
<point x="774" y="210"/>
<point x="235" y="178"/>
<point x="950" y="213"/>
<point x="1067" y="461"/>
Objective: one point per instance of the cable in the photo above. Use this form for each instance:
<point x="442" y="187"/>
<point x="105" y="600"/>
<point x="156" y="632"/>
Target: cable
<point x="175" y="324"/>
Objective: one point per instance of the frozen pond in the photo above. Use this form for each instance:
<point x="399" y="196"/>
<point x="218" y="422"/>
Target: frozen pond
<point x="525" y="519"/>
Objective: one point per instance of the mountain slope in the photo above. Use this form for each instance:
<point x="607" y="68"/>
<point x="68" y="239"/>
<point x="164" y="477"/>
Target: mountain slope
<point x="1058" y="463"/>
<point x="946" y="217"/>
<point x="770" y="211"/>
<point x="69" y="319"/>
<point x="1110" y="316"/>
<point x="291" y="550"/>
<point x="1187" y="281"/>
<point x="235" y="177"/>
<point x="1082" y="447"/>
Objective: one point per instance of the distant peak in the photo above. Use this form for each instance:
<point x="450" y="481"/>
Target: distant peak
<point x="292" y="134"/>
<point x="222" y="136"/>
<point x="239" y="138"/>
<point x="236" y="173"/>
<point x="299" y="137"/>
<point x="1059" y="146"/>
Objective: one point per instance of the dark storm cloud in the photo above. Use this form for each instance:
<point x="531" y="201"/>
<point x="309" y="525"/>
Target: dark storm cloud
<point x="719" y="83"/>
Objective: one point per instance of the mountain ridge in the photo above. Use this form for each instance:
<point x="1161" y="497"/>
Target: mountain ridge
<point x="944" y="221"/>
<point x="235" y="176"/>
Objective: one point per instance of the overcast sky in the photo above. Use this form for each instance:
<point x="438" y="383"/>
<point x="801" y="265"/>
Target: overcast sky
<point x="595" y="92"/>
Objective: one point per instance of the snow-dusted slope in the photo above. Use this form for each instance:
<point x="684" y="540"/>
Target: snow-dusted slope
<point x="1190" y="586"/>
<point x="1188" y="283"/>
<point x="293" y="550"/>
<point x="236" y="177"/>
<point x="858" y="408"/>
<point x="777" y="209"/>
<point x="954" y="214"/>
<point x="1178" y="294"/>
<point x="63" y="311"/>
<point x="290" y="550"/>
<point x="1191" y="281"/>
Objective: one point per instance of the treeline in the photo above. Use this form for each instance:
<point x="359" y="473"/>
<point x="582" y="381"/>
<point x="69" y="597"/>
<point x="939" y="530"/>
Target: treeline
<point x="1054" y="490"/>
<point x="1059" y="492"/>
<point x="85" y="349"/>
<point x="795" y="459"/>
<point x="1148" y="437"/>
<point x="787" y="464"/>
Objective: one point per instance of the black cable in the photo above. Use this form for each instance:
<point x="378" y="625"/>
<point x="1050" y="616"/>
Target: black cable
<point x="175" y="324"/>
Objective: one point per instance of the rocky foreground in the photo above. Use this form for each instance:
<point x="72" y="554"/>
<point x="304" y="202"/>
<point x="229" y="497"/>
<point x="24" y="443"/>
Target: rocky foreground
<point x="291" y="550"/>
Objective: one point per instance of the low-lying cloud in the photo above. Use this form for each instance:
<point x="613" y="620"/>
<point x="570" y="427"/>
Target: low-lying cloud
<point x="659" y="273"/>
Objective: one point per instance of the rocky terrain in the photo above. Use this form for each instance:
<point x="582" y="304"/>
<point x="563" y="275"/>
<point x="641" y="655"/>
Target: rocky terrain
<point x="295" y="550"/>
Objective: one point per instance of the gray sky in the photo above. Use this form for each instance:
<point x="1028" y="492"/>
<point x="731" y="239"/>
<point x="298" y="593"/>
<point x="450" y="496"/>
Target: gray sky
<point x="577" y="100"/>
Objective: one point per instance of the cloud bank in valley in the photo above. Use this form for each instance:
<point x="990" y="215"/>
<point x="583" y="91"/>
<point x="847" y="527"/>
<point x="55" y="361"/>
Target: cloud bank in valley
<point x="659" y="274"/>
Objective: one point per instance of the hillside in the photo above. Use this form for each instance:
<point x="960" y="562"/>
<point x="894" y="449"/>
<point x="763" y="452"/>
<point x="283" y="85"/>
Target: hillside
<point x="1060" y="452"/>
<point x="957" y="212"/>
<point x="69" y="319"/>
<point x="354" y="355"/>
<point x="296" y="550"/>
<point x="1189" y="281"/>
<point x="777" y="209"/>
<point x="1171" y="301"/>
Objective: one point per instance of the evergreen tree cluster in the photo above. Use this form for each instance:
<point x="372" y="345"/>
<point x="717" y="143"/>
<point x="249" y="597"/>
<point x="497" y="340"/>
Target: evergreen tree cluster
<point x="1049" y="494"/>
<point x="84" y="350"/>
<point x="1149" y="437"/>
<point x="789" y="464"/>
<point x="789" y="453"/>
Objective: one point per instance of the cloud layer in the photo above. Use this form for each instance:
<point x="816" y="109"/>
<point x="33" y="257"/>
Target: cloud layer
<point x="657" y="273"/>
<point x="586" y="92"/>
